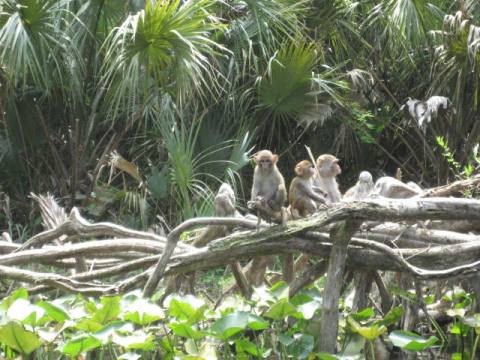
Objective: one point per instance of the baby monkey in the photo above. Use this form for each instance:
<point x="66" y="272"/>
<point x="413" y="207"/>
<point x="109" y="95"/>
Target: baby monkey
<point x="268" y="190"/>
<point x="303" y="197"/>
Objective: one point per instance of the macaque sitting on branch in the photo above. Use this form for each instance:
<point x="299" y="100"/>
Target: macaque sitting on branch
<point x="392" y="188"/>
<point x="361" y="189"/>
<point x="303" y="197"/>
<point x="268" y="190"/>
<point x="328" y="169"/>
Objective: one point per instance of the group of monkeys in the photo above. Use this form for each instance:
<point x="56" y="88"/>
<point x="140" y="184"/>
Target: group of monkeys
<point x="314" y="187"/>
<point x="308" y="191"/>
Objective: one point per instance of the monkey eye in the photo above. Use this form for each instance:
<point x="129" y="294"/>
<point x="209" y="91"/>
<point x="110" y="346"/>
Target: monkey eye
<point x="265" y="161"/>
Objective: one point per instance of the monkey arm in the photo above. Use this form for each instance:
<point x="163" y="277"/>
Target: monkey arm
<point x="279" y="197"/>
<point x="318" y="190"/>
<point x="309" y="191"/>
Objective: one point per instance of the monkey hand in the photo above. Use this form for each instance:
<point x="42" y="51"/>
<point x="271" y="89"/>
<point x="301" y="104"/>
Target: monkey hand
<point x="254" y="204"/>
<point x="324" y="206"/>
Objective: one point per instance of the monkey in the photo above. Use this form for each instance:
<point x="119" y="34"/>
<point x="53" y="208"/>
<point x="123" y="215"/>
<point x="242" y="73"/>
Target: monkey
<point x="268" y="190"/>
<point x="224" y="201"/>
<point x="361" y="189"/>
<point x="302" y="195"/>
<point x="328" y="169"/>
<point x="225" y="206"/>
<point x="390" y="187"/>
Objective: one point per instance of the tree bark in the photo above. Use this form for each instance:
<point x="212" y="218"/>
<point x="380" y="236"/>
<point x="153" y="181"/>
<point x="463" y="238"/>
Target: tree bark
<point x="340" y="236"/>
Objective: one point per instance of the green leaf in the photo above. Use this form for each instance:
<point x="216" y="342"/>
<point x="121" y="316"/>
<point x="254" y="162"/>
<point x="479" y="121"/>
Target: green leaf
<point x="105" y="334"/>
<point x="244" y="345"/>
<point x="365" y="314"/>
<point x="88" y="325"/>
<point x="168" y="44"/>
<point x="139" y="340"/>
<point x="188" y="308"/>
<point x="23" y="311"/>
<point x="308" y="310"/>
<point x="80" y="344"/>
<point x="286" y="87"/>
<point x="391" y="317"/>
<point x="456" y="312"/>
<point x="301" y="346"/>
<point x="186" y="331"/>
<point x="285" y="339"/>
<point x="326" y="356"/>
<point x="235" y="322"/>
<point x="158" y="183"/>
<point x="15" y="336"/>
<point x="109" y="310"/>
<point x="281" y="310"/>
<point x="143" y="312"/>
<point x="280" y="290"/>
<point x="17" y="294"/>
<point x="55" y="311"/>
<point x="410" y="341"/>
<point x="368" y="332"/>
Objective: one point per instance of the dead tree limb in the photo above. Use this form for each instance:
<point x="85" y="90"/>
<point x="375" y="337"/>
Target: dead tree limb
<point x="76" y="225"/>
<point x="172" y="240"/>
<point x="54" y="280"/>
<point x="340" y="236"/>
<point x="452" y="189"/>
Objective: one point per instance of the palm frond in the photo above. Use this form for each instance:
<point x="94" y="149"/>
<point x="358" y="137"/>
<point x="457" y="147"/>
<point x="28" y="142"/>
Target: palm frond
<point x="33" y="42"/>
<point x="285" y="87"/>
<point x="291" y="88"/>
<point x="168" y="45"/>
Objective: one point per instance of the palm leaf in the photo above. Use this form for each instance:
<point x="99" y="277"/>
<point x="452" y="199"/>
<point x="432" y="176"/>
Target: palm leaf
<point x="33" y="40"/>
<point x="168" y="44"/>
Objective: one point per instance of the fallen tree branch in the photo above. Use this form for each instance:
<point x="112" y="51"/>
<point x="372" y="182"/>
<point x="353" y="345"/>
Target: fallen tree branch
<point x="172" y="240"/>
<point x="76" y="225"/>
<point x="54" y="280"/>
<point x="453" y="188"/>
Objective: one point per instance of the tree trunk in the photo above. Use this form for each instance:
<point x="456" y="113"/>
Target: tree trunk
<point x="340" y="235"/>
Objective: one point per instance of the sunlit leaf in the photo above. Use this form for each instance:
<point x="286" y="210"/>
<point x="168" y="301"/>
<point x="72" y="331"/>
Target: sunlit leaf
<point x="410" y="341"/>
<point x="15" y="336"/>
<point x="80" y="344"/>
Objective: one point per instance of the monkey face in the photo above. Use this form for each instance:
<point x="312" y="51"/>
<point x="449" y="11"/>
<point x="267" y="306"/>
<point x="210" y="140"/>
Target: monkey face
<point x="328" y="165"/>
<point x="336" y="169"/>
<point x="305" y="169"/>
<point x="265" y="163"/>
<point x="265" y="159"/>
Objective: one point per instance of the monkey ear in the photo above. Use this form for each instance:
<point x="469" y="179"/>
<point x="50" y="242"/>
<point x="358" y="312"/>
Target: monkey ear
<point x="274" y="158"/>
<point x="298" y="170"/>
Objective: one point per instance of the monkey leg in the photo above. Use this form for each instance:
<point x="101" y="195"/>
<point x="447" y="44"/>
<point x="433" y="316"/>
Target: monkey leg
<point x="287" y="264"/>
<point x="301" y="263"/>
<point x="278" y="199"/>
<point x="256" y="273"/>
<point x="305" y="207"/>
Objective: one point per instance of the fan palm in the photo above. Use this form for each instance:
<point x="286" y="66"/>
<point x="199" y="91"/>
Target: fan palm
<point x="167" y="45"/>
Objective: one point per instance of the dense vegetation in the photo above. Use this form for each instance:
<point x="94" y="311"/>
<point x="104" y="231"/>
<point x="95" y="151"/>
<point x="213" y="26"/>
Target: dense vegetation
<point x="135" y="111"/>
<point x="184" y="90"/>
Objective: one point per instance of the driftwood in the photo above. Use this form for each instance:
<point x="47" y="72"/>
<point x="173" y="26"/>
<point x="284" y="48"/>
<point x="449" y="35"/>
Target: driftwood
<point x="113" y="253"/>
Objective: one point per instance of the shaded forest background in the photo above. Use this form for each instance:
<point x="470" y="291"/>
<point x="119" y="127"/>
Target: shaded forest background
<point x="136" y="112"/>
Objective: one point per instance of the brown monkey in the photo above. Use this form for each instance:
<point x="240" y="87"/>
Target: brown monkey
<point x="268" y="190"/>
<point x="302" y="195"/>
<point x="328" y="169"/>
